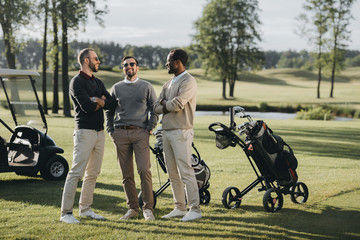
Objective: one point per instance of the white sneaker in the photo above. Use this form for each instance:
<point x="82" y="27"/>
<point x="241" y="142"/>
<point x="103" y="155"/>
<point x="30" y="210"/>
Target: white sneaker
<point x="91" y="214"/>
<point x="175" y="213"/>
<point x="69" y="218"/>
<point x="190" y="216"/>
<point x="148" y="215"/>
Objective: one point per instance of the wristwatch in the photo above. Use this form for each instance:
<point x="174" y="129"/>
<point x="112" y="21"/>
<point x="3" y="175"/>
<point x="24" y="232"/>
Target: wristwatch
<point x="93" y="99"/>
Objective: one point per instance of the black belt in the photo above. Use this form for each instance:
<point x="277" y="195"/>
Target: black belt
<point x="130" y="127"/>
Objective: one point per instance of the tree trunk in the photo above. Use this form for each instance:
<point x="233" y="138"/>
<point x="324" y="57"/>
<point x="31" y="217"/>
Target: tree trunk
<point x="55" y="106"/>
<point x="10" y="55"/>
<point x="65" y="76"/>
<point x="333" y="71"/>
<point x="232" y="80"/>
<point x="332" y="81"/>
<point x="224" y="87"/>
<point x="44" y="61"/>
<point x="319" y="81"/>
<point x="231" y="88"/>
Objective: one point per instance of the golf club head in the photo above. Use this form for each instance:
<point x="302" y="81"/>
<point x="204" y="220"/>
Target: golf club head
<point x="238" y="109"/>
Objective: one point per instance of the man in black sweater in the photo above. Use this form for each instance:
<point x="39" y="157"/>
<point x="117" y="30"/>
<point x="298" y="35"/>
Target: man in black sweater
<point x="89" y="97"/>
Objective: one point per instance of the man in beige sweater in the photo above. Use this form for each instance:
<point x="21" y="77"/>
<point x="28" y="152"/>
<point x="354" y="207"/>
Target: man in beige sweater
<point x="177" y="103"/>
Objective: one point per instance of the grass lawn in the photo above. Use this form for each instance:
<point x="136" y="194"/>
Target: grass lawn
<point x="328" y="163"/>
<point x="328" y="155"/>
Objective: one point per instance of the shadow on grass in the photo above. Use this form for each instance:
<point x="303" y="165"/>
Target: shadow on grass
<point x="49" y="193"/>
<point x="327" y="224"/>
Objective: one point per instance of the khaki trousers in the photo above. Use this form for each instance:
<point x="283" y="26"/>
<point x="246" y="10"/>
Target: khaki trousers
<point x="87" y="159"/>
<point x="178" y="150"/>
<point x="128" y="142"/>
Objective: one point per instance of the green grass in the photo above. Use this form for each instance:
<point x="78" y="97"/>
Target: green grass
<point x="328" y="163"/>
<point x="328" y="155"/>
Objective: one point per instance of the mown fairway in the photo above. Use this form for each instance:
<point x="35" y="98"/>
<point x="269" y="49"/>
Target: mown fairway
<point x="329" y="163"/>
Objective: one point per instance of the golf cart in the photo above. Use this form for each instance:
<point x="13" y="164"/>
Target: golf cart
<point x="29" y="148"/>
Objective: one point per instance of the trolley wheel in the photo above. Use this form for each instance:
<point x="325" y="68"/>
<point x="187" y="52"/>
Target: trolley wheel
<point x="299" y="193"/>
<point x="273" y="200"/>
<point x="230" y="198"/>
<point x="141" y="203"/>
<point x="204" y="196"/>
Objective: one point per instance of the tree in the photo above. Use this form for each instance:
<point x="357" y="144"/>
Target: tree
<point x="318" y="11"/>
<point x="55" y="57"/>
<point x="226" y="37"/>
<point x="13" y="14"/>
<point x="340" y="15"/>
<point x="72" y="14"/>
<point x="44" y="60"/>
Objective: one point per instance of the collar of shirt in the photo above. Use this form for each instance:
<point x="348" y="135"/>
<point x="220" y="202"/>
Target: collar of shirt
<point x="175" y="78"/>
<point x="128" y="81"/>
<point x="86" y="76"/>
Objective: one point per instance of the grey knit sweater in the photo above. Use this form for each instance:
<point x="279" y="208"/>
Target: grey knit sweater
<point x="135" y="102"/>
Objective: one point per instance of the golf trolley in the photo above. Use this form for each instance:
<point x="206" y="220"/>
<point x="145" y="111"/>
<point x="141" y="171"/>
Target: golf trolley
<point x="274" y="160"/>
<point x="202" y="171"/>
<point x="28" y="150"/>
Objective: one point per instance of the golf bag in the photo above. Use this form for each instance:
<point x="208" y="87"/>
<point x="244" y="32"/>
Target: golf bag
<point x="271" y="153"/>
<point x="202" y="171"/>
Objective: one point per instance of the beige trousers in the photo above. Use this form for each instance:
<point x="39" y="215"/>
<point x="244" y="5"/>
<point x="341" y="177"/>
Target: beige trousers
<point x="178" y="150"/>
<point x="87" y="158"/>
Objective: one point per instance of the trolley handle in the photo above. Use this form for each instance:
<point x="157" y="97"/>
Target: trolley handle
<point x="218" y="124"/>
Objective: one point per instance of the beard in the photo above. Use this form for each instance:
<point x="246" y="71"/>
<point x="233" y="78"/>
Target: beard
<point x="170" y="69"/>
<point x="130" y="73"/>
<point x="93" y="67"/>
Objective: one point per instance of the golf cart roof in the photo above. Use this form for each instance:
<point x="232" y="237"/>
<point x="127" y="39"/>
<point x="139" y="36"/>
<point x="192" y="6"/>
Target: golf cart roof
<point x="6" y="72"/>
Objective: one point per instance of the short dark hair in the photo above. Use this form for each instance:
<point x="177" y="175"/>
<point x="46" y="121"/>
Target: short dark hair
<point x="84" y="53"/>
<point x="127" y="57"/>
<point x="179" y="54"/>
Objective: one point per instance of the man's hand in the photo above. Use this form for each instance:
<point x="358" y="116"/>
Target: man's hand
<point x="99" y="101"/>
<point x="163" y="103"/>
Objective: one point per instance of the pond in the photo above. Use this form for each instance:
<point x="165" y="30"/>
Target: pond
<point x="261" y="115"/>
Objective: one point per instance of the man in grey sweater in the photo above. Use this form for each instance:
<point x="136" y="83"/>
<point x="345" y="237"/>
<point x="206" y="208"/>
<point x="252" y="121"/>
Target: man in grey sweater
<point x="130" y="124"/>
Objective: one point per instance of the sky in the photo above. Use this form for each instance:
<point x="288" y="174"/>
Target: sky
<point x="170" y="23"/>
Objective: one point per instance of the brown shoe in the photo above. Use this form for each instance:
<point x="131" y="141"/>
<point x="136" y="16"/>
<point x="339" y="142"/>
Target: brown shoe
<point x="131" y="213"/>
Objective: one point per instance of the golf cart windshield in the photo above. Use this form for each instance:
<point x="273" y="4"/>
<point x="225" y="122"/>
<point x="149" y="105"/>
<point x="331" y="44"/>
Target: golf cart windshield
<point x="22" y="99"/>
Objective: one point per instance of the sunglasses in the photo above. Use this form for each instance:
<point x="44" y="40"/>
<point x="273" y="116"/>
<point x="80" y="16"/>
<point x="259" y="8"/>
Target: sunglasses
<point x="127" y="64"/>
<point x="95" y="58"/>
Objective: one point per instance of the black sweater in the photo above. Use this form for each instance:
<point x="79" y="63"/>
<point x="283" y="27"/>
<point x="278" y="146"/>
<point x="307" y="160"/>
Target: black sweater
<point x="82" y="87"/>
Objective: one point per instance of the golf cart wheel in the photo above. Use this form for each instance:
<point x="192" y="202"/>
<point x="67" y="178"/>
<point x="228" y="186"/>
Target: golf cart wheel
<point x="231" y="198"/>
<point x="141" y="203"/>
<point x="204" y="196"/>
<point x="55" y="169"/>
<point x="299" y="193"/>
<point x="273" y="200"/>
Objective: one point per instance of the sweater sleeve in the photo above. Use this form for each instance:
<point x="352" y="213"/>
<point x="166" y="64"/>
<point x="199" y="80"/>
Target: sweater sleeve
<point x="186" y="92"/>
<point x="158" y="108"/>
<point x="110" y="101"/>
<point x="109" y="114"/>
<point x="80" y="95"/>
<point x="150" y="105"/>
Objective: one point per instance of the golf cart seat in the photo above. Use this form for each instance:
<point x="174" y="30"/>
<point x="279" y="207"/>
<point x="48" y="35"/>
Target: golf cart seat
<point x="24" y="147"/>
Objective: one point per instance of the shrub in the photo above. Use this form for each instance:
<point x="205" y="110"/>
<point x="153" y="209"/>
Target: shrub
<point x="317" y="113"/>
<point x="357" y="114"/>
<point x="263" y="106"/>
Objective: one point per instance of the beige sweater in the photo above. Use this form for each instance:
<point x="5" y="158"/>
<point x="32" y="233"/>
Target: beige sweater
<point x="180" y="102"/>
